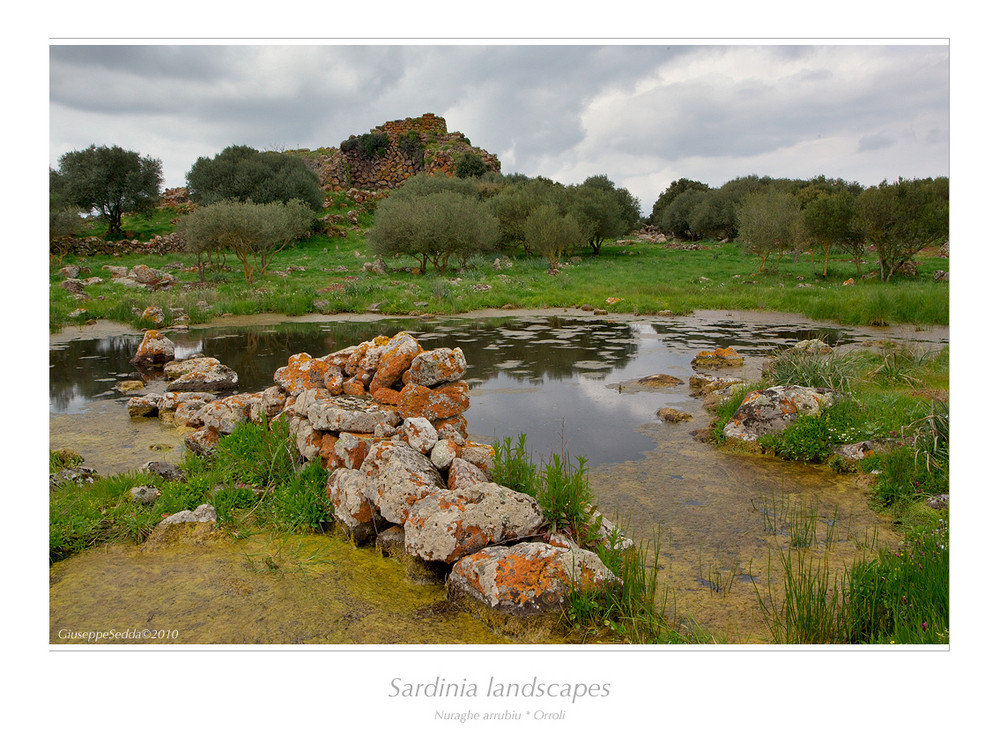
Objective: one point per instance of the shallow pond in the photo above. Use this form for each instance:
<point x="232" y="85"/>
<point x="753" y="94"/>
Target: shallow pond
<point x="559" y="378"/>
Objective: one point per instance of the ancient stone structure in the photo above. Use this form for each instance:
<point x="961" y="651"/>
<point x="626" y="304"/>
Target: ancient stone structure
<point x="385" y="417"/>
<point x="392" y="153"/>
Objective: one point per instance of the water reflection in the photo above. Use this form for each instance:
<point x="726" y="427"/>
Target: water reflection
<point x="545" y="376"/>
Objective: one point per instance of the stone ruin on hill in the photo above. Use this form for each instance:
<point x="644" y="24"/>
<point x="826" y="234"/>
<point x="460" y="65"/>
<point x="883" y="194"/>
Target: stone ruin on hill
<point x="390" y="154"/>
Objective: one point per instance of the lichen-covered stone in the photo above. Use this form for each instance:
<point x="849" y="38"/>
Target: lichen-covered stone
<point x="723" y="357"/>
<point x="306" y="398"/>
<point x="772" y="410"/>
<point x="352" y="448"/>
<point x="449" y="524"/>
<point x="205" y="374"/>
<point x="669" y="414"/>
<point x="419" y="434"/>
<point x="143" y="406"/>
<point x="302" y="373"/>
<point x="398" y="476"/>
<point x="463" y="474"/>
<point x="444" y="453"/>
<point x="225" y="414"/>
<point x="440" y="403"/>
<point x="396" y="359"/>
<point x="351" y="506"/>
<point x="527" y="579"/>
<point x="479" y="454"/>
<point x="202" y="442"/>
<point x="350" y="414"/>
<point x="155" y="349"/>
<point x="436" y="366"/>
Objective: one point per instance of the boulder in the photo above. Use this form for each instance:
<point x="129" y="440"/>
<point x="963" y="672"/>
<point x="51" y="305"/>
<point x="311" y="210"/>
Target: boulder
<point x="225" y="414"/>
<point x="145" y="494"/>
<point x="701" y="385"/>
<point x="203" y="441"/>
<point x="397" y="477"/>
<point x="436" y="366"/>
<point x="350" y="414"/>
<point x="352" y="509"/>
<point x="419" y="434"/>
<point x="813" y="347"/>
<point x="143" y="406"/>
<point x="396" y="359"/>
<point x="479" y="454"/>
<point x="520" y="590"/>
<point x="668" y="414"/>
<point x="204" y="374"/>
<point x="769" y="411"/>
<point x="449" y="524"/>
<point x="444" y="453"/>
<point x="462" y="474"/>
<point x="440" y="403"/>
<point x="351" y="449"/>
<point x="659" y="381"/>
<point x="191" y="527"/>
<point x="723" y="357"/>
<point x="303" y="372"/>
<point x="165" y="470"/>
<point x="76" y="475"/>
<point x="155" y="349"/>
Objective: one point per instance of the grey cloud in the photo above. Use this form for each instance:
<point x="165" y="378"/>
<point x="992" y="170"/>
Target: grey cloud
<point x="875" y="141"/>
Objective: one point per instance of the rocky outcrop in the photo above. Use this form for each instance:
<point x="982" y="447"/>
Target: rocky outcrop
<point x="772" y="410"/>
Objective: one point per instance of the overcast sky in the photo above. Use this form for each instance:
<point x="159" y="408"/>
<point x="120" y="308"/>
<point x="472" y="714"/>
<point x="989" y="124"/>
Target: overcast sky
<point x="642" y="114"/>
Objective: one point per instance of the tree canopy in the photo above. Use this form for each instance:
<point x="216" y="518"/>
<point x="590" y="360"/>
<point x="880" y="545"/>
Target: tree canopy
<point x="109" y="180"/>
<point x="242" y="173"/>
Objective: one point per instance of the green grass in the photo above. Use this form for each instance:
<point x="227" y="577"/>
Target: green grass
<point x="646" y="278"/>
<point x="899" y="596"/>
<point x="251" y="480"/>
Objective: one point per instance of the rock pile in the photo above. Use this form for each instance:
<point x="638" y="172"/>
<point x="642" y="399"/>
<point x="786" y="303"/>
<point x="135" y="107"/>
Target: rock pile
<point x="386" y="418"/>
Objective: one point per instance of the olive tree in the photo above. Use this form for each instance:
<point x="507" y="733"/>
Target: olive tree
<point x="242" y="173"/>
<point x="432" y="228"/>
<point x="767" y="223"/>
<point x="901" y="218"/>
<point x="550" y="234"/>
<point x="827" y="220"/>
<point x="253" y="232"/>
<point x="603" y="210"/>
<point x="111" y="181"/>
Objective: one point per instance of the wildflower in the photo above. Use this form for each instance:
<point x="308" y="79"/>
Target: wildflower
<point x="924" y="625"/>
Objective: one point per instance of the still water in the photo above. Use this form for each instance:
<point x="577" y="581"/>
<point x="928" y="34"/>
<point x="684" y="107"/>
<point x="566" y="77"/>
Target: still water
<point x="561" y="380"/>
<point x="555" y="378"/>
